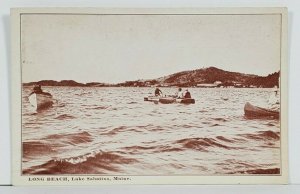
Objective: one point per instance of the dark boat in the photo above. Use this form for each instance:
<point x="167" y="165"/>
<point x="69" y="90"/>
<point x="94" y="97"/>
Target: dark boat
<point x="255" y="111"/>
<point x="40" y="101"/>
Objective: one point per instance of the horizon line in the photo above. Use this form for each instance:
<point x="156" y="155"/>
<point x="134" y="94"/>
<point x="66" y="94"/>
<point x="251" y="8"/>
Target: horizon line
<point x="151" y="78"/>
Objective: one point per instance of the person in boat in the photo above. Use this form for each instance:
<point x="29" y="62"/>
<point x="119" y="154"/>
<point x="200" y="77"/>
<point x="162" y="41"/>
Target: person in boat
<point x="179" y="93"/>
<point x="274" y="101"/>
<point x="157" y="92"/>
<point x="187" y="94"/>
<point x="37" y="89"/>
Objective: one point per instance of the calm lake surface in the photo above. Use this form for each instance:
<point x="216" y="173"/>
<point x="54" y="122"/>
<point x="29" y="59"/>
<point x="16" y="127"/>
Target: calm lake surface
<point x="113" y="131"/>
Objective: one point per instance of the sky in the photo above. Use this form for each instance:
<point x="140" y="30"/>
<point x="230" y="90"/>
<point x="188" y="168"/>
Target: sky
<point x="118" y="48"/>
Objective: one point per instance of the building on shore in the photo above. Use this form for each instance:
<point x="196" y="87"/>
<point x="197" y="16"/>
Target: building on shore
<point x="214" y="85"/>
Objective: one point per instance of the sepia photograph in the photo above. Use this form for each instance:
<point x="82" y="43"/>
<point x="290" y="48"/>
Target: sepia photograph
<point x="112" y="95"/>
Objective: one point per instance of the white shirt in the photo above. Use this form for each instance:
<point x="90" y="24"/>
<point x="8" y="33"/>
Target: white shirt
<point x="180" y="94"/>
<point x="274" y="102"/>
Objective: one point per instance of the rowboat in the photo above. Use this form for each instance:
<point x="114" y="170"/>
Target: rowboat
<point x="40" y="101"/>
<point x="151" y="98"/>
<point x="167" y="100"/>
<point x="185" y="100"/>
<point x="170" y="100"/>
<point x="255" y="111"/>
<point x="156" y="98"/>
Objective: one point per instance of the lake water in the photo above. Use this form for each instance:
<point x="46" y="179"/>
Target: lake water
<point x="113" y="131"/>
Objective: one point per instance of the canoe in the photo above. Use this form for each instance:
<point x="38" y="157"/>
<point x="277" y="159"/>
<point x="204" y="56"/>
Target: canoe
<point x="40" y="101"/>
<point x="255" y="111"/>
<point x="170" y="100"/>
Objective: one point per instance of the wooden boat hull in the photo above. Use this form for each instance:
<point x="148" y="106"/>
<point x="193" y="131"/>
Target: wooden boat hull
<point x="167" y="100"/>
<point x="151" y="98"/>
<point x="170" y="100"/>
<point x="186" y="101"/>
<point x="254" y="111"/>
<point x="40" y="101"/>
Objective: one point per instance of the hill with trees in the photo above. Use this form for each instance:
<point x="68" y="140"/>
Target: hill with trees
<point x="205" y="77"/>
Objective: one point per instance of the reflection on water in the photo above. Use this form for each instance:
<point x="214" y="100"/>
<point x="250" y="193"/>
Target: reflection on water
<point x="113" y="131"/>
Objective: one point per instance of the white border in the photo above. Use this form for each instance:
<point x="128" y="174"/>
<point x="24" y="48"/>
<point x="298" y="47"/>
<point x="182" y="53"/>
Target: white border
<point x="16" y="97"/>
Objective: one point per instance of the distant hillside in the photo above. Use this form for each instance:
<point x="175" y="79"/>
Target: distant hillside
<point x="205" y="77"/>
<point x="210" y="76"/>
<point x="267" y="82"/>
<point x="70" y="83"/>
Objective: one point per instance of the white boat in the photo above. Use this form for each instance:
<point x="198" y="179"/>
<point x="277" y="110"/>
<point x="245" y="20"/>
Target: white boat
<point x="40" y="101"/>
<point x="169" y="99"/>
<point x="152" y="98"/>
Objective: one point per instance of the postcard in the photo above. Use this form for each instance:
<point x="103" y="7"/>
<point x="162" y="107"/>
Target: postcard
<point x="149" y="96"/>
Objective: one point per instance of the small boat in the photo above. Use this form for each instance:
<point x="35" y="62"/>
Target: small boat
<point x="170" y="100"/>
<point x="156" y="98"/>
<point x="185" y="100"/>
<point x="224" y="98"/>
<point x="152" y="98"/>
<point x="167" y="100"/>
<point x="255" y="111"/>
<point x="40" y="101"/>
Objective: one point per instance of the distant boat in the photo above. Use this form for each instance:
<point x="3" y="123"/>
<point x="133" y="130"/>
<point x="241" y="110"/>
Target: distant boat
<point x="224" y="98"/>
<point x="40" y="101"/>
<point x="169" y="99"/>
<point x="152" y="98"/>
<point x="255" y="111"/>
